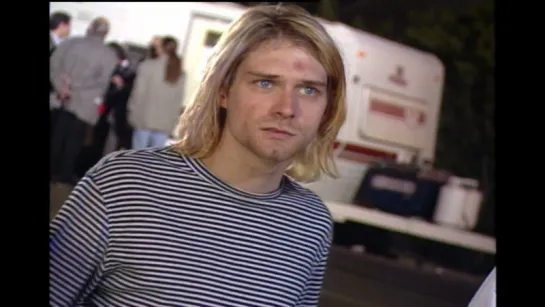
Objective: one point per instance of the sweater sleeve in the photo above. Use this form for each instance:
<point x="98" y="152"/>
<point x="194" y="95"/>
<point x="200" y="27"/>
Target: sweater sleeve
<point x="78" y="241"/>
<point x="311" y="294"/>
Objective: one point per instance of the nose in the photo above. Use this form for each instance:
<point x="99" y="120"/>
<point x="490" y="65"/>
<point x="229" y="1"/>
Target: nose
<point x="287" y="104"/>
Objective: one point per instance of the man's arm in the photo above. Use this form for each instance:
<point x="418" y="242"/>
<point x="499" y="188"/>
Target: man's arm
<point x="56" y="72"/>
<point x="77" y="245"/>
<point x="311" y="294"/>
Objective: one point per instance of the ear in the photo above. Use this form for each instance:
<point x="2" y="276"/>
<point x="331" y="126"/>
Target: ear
<point x="223" y="99"/>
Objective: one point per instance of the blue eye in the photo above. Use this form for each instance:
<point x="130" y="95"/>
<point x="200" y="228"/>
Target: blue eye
<point x="264" y="83"/>
<point x="308" y="91"/>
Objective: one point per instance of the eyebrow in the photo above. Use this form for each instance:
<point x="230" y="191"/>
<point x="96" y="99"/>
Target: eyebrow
<point x="272" y="77"/>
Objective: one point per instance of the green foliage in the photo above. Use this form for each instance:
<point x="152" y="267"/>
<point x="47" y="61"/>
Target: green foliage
<point x="328" y="9"/>
<point x="467" y="37"/>
<point x="465" y="42"/>
<point x="357" y="22"/>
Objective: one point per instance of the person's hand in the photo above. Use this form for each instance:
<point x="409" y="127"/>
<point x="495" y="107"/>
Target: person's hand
<point x="65" y="79"/>
<point x="64" y="93"/>
<point x="117" y="80"/>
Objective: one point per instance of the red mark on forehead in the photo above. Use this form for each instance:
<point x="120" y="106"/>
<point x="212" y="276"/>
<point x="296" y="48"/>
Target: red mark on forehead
<point x="299" y="65"/>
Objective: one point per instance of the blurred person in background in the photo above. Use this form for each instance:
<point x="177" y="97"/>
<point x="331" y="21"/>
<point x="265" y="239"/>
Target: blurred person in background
<point x="86" y="63"/>
<point x="113" y="110"/>
<point x="155" y="48"/>
<point x="156" y="98"/>
<point x="59" y="29"/>
<point x="219" y="218"/>
<point x="117" y="97"/>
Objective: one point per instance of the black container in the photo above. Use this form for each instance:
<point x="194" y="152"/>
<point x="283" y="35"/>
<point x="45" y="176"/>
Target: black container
<point x="401" y="190"/>
<point x="424" y="200"/>
<point x="388" y="189"/>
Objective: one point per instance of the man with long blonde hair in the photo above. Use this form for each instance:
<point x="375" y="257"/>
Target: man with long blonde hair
<point x="217" y="219"/>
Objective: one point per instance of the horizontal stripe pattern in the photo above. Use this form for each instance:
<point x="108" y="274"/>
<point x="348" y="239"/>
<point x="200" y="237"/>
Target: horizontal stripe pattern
<point x="155" y="228"/>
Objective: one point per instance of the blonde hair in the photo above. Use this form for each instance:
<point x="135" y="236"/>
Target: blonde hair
<point x="200" y="126"/>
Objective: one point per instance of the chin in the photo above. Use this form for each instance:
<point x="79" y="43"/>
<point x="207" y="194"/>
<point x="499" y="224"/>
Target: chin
<point x="277" y="155"/>
<point x="276" y="152"/>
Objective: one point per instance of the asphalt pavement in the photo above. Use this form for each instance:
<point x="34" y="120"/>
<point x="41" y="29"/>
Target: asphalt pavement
<point x="371" y="281"/>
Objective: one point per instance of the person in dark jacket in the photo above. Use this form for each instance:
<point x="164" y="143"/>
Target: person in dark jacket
<point x="114" y="106"/>
<point x="80" y="69"/>
<point x="117" y="97"/>
<point x="59" y="29"/>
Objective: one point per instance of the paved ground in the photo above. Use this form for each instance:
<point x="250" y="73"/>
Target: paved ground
<point x="369" y="281"/>
<point x="355" y="280"/>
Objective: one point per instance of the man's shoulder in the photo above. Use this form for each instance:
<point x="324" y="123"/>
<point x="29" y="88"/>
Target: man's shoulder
<point x="72" y="40"/>
<point x="68" y="43"/>
<point x="307" y="199"/>
<point x="304" y="192"/>
<point x="133" y="159"/>
<point x="310" y="210"/>
<point x="93" y="44"/>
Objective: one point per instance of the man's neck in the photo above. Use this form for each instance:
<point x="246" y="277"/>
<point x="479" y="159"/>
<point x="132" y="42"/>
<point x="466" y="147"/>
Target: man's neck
<point x="56" y="37"/>
<point x="95" y="36"/>
<point x="243" y="170"/>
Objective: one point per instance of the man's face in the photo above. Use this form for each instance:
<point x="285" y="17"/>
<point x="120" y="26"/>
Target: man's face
<point x="64" y="30"/>
<point x="276" y="102"/>
<point x="156" y="43"/>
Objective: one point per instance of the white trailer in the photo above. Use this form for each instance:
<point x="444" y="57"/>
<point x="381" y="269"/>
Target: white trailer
<point x="394" y="95"/>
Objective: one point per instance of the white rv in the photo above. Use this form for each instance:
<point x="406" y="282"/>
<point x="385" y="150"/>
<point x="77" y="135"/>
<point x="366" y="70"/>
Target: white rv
<point x="394" y="95"/>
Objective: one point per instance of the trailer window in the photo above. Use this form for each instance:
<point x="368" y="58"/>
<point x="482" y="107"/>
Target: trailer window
<point x="212" y="38"/>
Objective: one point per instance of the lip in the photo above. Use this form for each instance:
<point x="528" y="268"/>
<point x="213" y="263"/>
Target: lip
<point x="277" y="131"/>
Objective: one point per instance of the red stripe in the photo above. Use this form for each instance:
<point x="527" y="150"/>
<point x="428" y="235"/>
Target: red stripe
<point x="380" y="106"/>
<point x="422" y="118"/>
<point x="362" y="154"/>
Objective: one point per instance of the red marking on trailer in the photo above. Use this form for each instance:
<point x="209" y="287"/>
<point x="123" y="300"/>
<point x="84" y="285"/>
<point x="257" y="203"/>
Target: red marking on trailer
<point x="386" y="108"/>
<point x="397" y="112"/>
<point x="362" y="154"/>
<point x="422" y="118"/>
